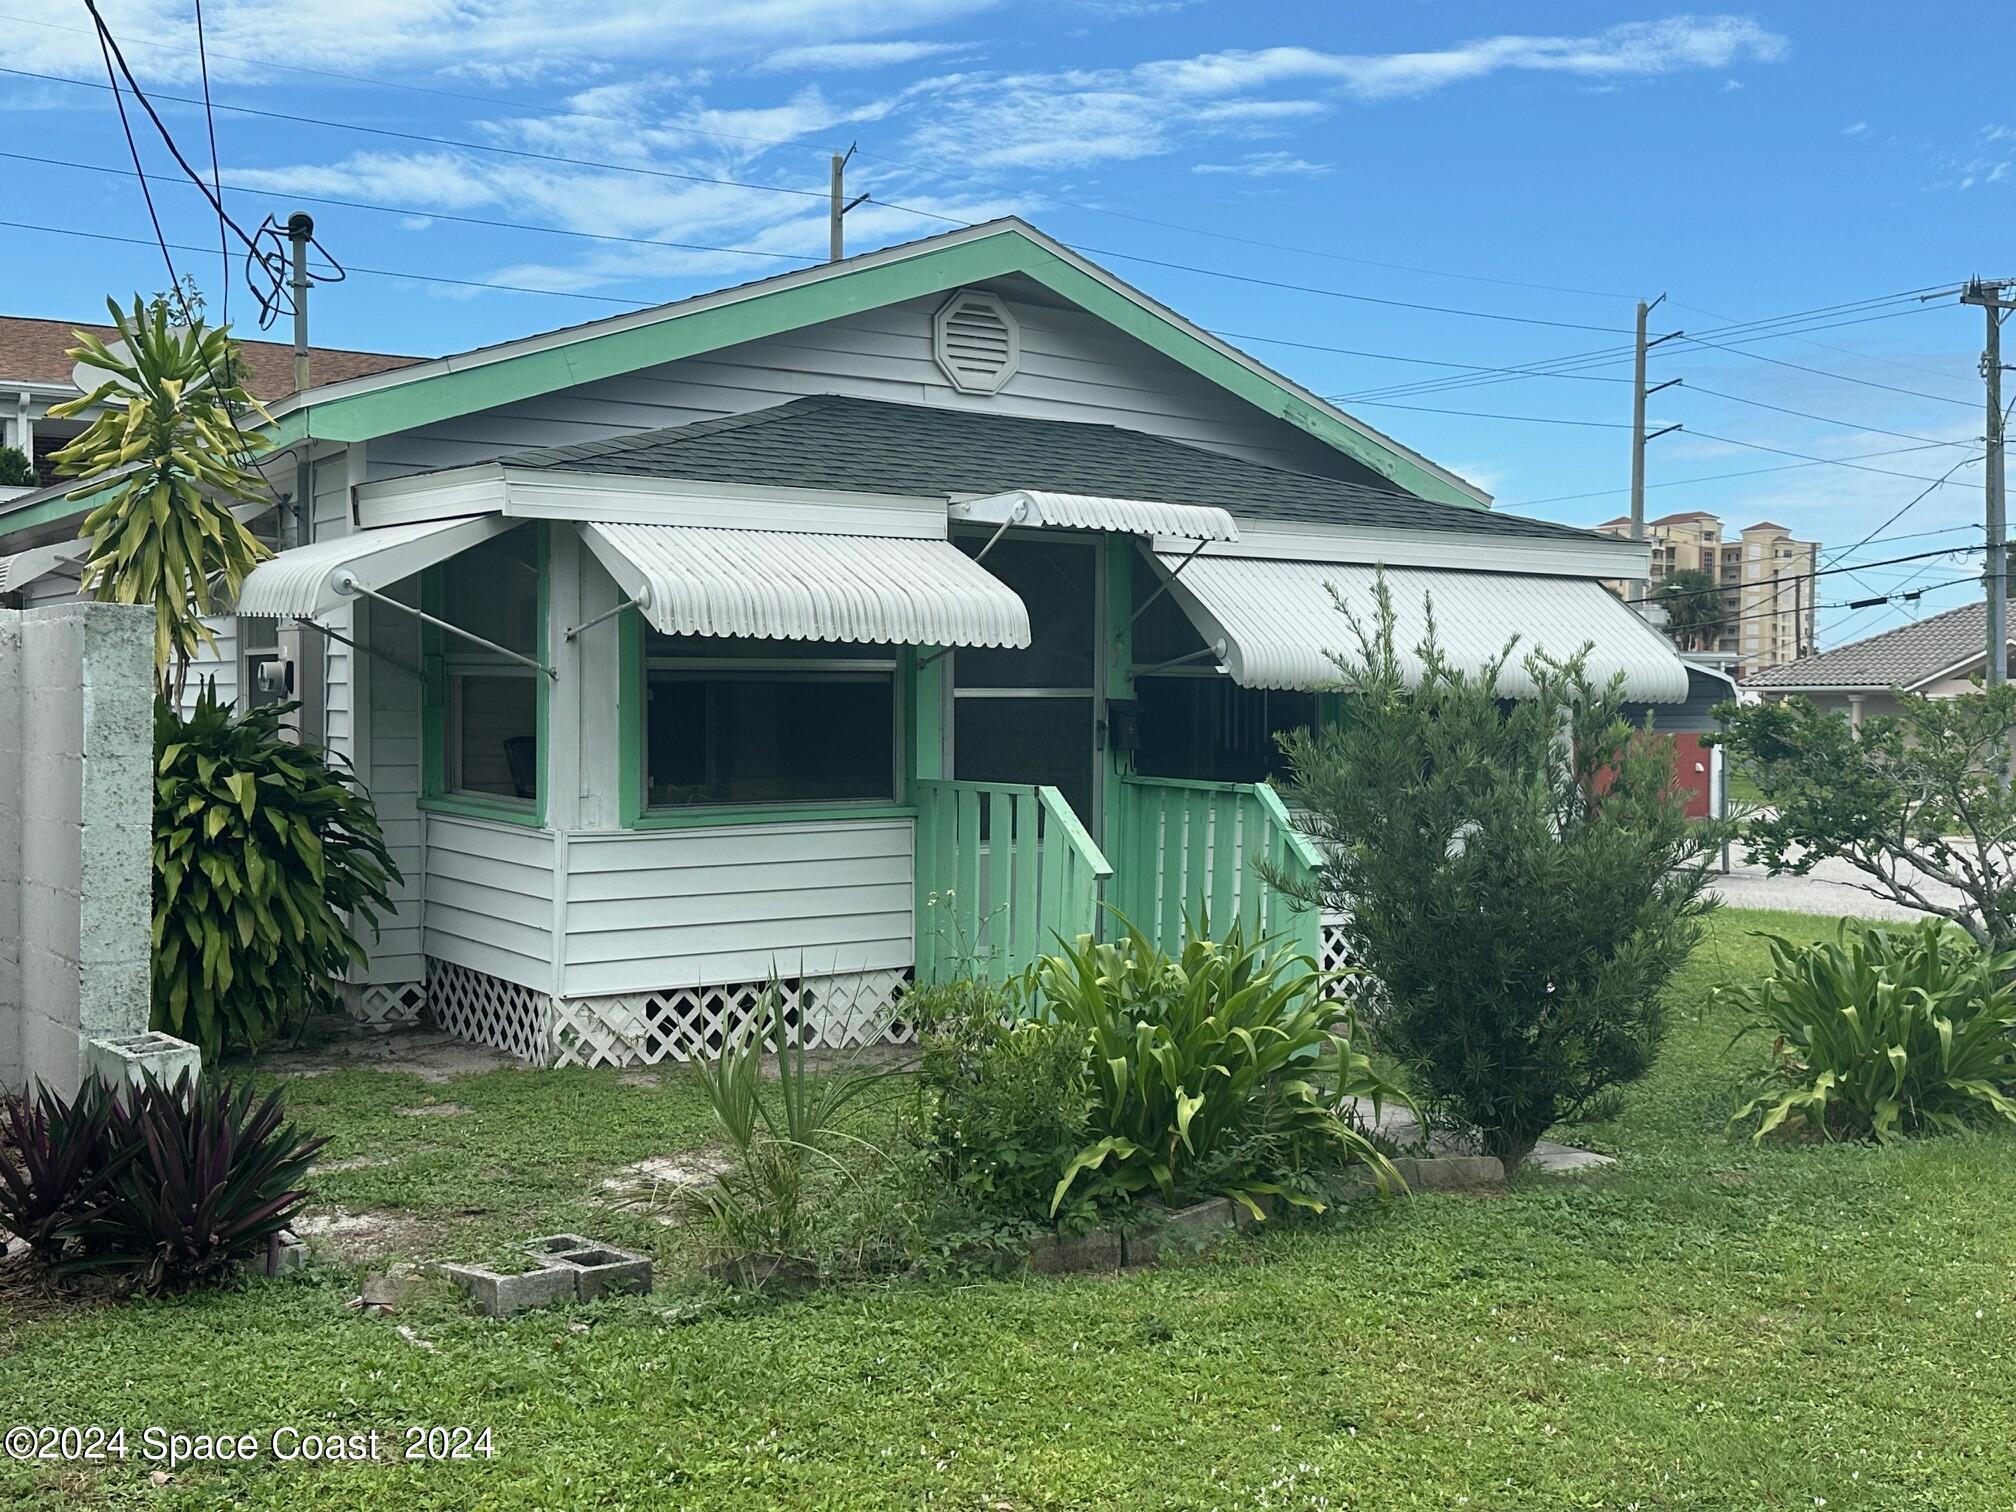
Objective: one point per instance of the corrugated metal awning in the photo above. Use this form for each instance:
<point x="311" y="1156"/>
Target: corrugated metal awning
<point x="320" y="577"/>
<point x="1277" y="621"/>
<point x="787" y="585"/>
<point x="24" y="567"/>
<point x="1143" y="517"/>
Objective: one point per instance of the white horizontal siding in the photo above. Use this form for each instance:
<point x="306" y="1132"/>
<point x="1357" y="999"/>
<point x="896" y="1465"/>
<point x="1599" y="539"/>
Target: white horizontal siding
<point x="704" y="907"/>
<point x="487" y="902"/>
<point x="1074" y="367"/>
<point x="389" y="764"/>
<point x="332" y="518"/>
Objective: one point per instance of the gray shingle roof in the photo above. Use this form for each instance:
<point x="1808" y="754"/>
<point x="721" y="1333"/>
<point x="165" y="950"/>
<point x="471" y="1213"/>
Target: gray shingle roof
<point x="830" y="441"/>
<point x="1896" y="658"/>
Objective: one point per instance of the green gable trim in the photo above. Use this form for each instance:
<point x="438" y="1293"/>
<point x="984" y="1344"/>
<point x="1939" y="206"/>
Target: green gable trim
<point x="419" y="401"/>
<point x="51" y="510"/>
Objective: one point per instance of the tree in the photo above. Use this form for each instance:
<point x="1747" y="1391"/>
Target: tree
<point x="266" y="850"/>
<point x="1520" y="877"/>
<point x="1918" y="803"/>
<point x="16" y="471"/>
<point x="168" y="446"/>
<point x="1697" y="615"/>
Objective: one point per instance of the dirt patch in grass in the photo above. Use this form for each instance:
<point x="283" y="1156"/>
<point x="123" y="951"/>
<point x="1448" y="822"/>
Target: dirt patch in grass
<point x="339" y="1045"/>
<point x="434" y="1110"/>
<point x="356" y="1238"/>
<point x="27" y="1290"/>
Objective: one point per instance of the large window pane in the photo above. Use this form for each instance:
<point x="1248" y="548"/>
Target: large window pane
<point x="732" y="721"/>
<point x="493" y="724"/>
<point x="492" y="715"/>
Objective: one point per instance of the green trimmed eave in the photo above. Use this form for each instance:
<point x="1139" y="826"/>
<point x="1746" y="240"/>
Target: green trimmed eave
<point x="48" y="512"/>
<point x="404" y="405"/>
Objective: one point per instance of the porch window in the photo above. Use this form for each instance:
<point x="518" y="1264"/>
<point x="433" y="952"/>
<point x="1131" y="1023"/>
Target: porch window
<point x="1208" y="729"/>
<point x="746" y="721"/>
<point x="491" y="714"/>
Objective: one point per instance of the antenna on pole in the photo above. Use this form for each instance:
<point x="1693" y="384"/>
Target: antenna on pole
<point x="837" y="205"/>
<point x="300" y="233"/>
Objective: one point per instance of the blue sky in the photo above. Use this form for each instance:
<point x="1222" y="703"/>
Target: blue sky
<point x="1536" y="167"/>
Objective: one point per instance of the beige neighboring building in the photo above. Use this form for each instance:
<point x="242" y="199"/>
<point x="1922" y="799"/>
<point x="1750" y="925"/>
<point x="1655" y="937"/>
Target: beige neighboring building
<point x="1766" y="579"/>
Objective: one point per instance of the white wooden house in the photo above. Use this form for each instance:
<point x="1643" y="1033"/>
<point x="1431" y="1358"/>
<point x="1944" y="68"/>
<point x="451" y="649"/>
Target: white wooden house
<point x="878" y="619"/>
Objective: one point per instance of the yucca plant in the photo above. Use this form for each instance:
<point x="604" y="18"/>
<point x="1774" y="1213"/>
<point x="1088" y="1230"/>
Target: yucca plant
<point x="168" y="444"/>
<point x="66" y="1164"/>
<point x="264" y="849"/>
<point x="212" y="1175"/>
<point x="1230" y="1041"/>
<point x="1883" y="1032"/>
<point x="782" y="1130"/>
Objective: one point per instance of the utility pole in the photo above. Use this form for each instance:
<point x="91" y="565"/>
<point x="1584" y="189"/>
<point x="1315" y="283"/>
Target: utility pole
<point x="1990" y="295"/>
<point x="837" y="205"/>
<point x="1639" y="394"/>
<point x="300" y="232"/>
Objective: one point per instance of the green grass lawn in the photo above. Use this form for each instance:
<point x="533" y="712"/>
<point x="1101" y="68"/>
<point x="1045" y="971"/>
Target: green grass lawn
<point x="1709" y="1326"/>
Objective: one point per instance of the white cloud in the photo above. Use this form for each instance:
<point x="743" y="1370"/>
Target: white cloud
<point x="1267" y="165"/>
<point x="838" y="56"/>
<point x="1855" y="128"/>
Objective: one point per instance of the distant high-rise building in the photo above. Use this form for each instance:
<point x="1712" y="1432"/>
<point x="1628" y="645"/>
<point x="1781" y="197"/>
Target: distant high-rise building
<point x="1765" y="575"/>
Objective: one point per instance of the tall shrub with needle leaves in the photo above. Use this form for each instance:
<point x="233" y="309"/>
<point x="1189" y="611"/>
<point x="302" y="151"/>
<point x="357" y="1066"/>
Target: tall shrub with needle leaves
<point x="168" y="445"/>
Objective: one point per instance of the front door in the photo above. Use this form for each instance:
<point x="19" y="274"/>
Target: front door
<point x="1033" y="716"/>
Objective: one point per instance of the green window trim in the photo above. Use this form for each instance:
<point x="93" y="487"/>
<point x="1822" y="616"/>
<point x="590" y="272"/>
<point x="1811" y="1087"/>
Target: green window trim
<point x="435" y="796"/>
<point x="635" y="814"/>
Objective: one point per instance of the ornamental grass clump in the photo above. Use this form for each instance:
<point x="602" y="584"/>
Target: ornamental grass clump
<point x="1216" y="1071"/>
<point x="1882" y="1033"/>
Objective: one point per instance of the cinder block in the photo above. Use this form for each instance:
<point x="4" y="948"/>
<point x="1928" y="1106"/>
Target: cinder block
<point x="1063" y="1254"/>
<point x="603" y="1270"/>
<point x="502" y="1295"/>
<point x="1182" y="1231"/>
<point x="129" y="1059"/>
<point x="50" y="1053"/>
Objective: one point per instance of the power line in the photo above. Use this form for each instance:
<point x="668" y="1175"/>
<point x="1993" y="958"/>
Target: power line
<point x="565" y="111"/>
<point x="463" y="283"/>
<point x="1829" y="461"/>
<point x="465" y="220"/>
<point x="1873" y="430"/>
<point x="1822" y="571"/>
<point x="1753" y="472"/>
<point x="1429" y="409"/>
<point x="1801" y="367"/>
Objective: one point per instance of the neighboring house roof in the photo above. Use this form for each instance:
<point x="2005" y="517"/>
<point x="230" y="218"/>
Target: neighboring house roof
<point x="872" y="445"/>
<point x="1766" y="525"/>
<point x="1682" y="518"/>
<point x="441" y="389"/>
<point x="38" y="351"/>
<point x="1904" y="657"/>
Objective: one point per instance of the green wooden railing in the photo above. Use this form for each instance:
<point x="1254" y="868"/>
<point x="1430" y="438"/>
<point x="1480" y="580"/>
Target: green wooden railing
<point x="1003" y="870"/>
<point x="1191" y="850"/>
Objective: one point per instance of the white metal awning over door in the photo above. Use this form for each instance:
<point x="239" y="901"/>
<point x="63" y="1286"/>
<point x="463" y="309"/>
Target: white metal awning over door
<point x="1070" y="511"/>
<point x="326" y="575"/>
<point x="1278" y="621"/>
<point x="788" y="585"/>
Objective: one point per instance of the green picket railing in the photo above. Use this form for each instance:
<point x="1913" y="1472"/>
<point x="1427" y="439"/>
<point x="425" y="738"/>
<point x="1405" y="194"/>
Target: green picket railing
<point x="1190" y="850"/>
<point x="1003" y="871"/>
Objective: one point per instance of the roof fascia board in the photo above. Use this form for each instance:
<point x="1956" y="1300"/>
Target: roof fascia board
<point x="47" y="512"/>
<point x="1979" y="659"/>
<point x="1460" y="550"/>
<point x="404" y="398"/>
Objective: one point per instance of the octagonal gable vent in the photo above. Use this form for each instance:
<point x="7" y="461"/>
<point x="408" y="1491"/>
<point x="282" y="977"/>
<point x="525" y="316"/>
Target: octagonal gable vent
<point x="976" y="342"/>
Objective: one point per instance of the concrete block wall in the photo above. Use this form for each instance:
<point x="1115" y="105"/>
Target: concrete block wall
<point x="76" y="819"/>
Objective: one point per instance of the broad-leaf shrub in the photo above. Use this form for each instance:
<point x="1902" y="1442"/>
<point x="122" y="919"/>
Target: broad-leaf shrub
<point x="265" y="849"/>
<point x="1005" y="1102"/>
<point x="1218" y="1070"/>
<point x="1882" y="1032"/>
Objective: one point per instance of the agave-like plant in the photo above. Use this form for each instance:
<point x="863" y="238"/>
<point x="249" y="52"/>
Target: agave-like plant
<point x="1231" y="1041"/>
<point x="212" y="1176"/>
<point x="1882" y="1032"/>
<point x="167" y="443"/>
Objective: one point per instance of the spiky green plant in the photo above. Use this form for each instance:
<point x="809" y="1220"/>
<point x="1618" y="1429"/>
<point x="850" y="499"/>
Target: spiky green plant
<point x="167" y="444"/>
<point x="265" y="848"/>
<point x="1883" y="1032"/>
<point x="1230" y="1043"/>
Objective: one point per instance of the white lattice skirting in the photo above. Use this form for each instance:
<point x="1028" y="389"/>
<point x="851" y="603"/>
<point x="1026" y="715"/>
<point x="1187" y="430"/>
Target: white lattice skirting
<point x="644" y="1028"/>
<point x="384" y="1005"/>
